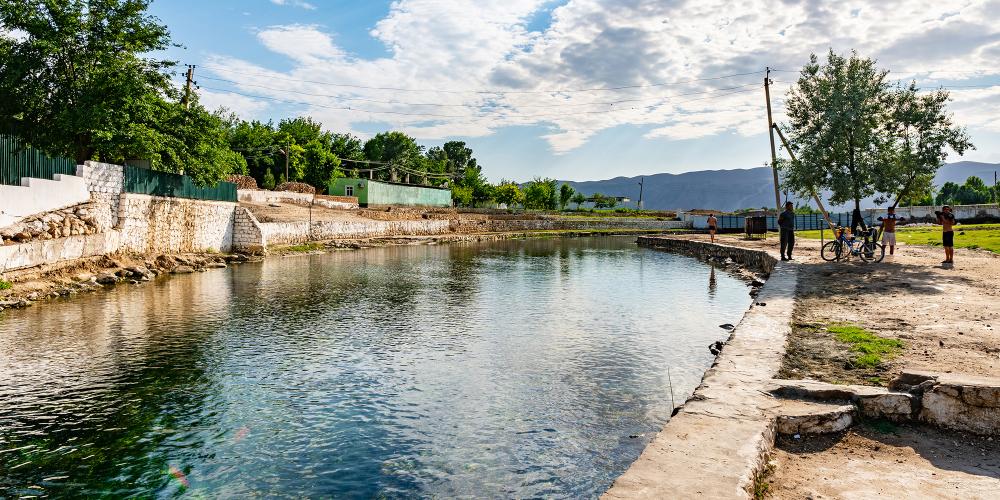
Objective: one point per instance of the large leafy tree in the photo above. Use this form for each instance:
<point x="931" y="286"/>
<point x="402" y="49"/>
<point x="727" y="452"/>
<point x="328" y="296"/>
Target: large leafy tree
<point x="921" y="132"/>
<point x="508" y="193"/>
<point x="399" y="150"/>
<point x="837" y="114"/>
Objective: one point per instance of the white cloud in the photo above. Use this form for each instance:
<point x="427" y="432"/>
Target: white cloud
<point x="449" y="50"/>
<point x="295" y="3"/>
<point x="241" y="105"/>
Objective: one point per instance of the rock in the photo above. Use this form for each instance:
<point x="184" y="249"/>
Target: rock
<point x="139" y="271"/>
<point x="123" y="273"/>
<point x="32" y="296"/>
<point x="216" y="265"/>
<point x="182" y="270"/>
<point x="895" y="406"/>
<point x="22" y="237"/>
<point x="727" y="326"/>
<point x="107" y="279"/>
<point x="716" y="347"/>
<point x="825" y="419"/>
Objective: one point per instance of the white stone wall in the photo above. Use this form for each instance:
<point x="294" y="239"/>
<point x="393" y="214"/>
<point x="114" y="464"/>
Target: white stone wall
<point x="261" y="196"/>
<point x="284" y="233"/>
<point x="247" y="233"/>
<point x="39" y="252"/>
<point x="340" y="205"/>
<point x="106" y="183"/>
<point x="35" y="196"/>
<point x="154" y="224"/>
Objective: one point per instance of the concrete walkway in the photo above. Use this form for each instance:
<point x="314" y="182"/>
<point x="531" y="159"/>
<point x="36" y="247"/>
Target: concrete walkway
<point x="715" y="446"/>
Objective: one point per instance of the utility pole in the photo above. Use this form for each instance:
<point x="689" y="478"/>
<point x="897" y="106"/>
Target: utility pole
<point x="770" y="131"/>
<point x="819" y="202"/>
<point x="187" y="86"/>
<point x="285" y="152"/>
<point x="641" y="181"/>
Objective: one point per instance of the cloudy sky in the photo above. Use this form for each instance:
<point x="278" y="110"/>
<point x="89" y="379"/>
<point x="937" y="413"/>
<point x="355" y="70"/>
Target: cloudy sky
<point x="574" y="89"/>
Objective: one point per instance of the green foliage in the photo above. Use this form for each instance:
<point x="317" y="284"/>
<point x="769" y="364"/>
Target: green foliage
<point x="870" y="348"/>
<point x="306" y="247"/>
<point x="579" y="199"/>
<point x="508" y="193"/>
<point x="837" y="112"/>
<point x="541" y="194"/>
<point x="603" y="201"/>
<point x="461" y="195"/>
<point x="565" y="195"/>
<point x="397" y="149"/>
<point x="973" y="192"/>
<point x="268" y="182"/>
<point x="5" y="285"/>
<point x="919" y="134"/>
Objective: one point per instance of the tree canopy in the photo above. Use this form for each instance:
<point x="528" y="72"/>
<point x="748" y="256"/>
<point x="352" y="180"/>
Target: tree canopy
<point x="855" y="136"/>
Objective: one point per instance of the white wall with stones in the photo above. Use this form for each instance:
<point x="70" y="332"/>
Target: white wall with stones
<point x="154" y="224"/>
<point x="106" y="182"/>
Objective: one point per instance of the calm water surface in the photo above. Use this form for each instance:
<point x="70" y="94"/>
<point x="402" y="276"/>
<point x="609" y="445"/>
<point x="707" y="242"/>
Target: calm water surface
<point x="509" y="369"/>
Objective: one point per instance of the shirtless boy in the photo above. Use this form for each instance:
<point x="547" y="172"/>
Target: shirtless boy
<point x="889" y="229"/>
<point x="947" y="221"/>
<point x="712" y="225"/>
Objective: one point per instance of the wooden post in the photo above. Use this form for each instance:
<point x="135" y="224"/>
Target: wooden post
<point x="819" y="203"/>
<point x="770" y="130"/>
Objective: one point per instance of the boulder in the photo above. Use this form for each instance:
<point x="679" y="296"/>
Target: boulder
<point x="182" y="270"/>
<point x="107" y="279"/>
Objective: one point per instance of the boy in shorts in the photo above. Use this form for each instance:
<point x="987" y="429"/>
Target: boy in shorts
<point x="947" y="221"/>
<point x="889" y="229"/>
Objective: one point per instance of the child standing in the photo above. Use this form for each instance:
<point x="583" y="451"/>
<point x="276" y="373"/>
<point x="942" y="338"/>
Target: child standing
<point x="947" y="221"/>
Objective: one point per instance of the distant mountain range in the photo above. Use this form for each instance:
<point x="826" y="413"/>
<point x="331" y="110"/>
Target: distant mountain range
<point x="727" y="190"/>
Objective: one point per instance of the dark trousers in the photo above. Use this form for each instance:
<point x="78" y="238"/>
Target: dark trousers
<point x="787" y="243"/>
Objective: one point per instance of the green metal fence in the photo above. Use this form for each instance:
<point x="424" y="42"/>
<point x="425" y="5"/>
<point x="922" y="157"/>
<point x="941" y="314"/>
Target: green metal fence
<point x="18" y="160"/>
<point x="144" y="181"/>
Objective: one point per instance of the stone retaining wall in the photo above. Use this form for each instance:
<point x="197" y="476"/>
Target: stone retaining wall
<point x="285" y="233"/>
<point x="153" y="224"/>
<point x="106" y="182"/>
<point x="41" y="252"/>
<point x="757" y="260"/>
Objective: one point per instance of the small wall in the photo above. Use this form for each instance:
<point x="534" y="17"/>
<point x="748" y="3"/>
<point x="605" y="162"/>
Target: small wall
<point x="248" y="235"/>
<point x="284" y="233"/>
<point x="960" y="211"/>
<point x="35" y="196"/>
<point x="263" y="197"/>
<point x="153" y="224"/>
<point x="37" y="253"/>
<point x="105" y="182"/>
<point x="756" y="260"/>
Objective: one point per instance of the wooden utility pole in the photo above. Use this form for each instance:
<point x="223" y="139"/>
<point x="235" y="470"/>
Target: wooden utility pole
<point x="770" y="131"/>
<point x="187" y="86"/>
<point x="819" y="202"/>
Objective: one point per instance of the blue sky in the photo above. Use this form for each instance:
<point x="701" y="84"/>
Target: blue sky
<point x="534" y="86"/>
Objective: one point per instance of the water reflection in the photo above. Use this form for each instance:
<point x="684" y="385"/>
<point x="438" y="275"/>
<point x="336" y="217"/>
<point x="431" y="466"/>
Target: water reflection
<point x="508" y="369"/>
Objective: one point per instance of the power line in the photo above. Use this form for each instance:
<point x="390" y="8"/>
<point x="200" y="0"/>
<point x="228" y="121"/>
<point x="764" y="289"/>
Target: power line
<point x="466" y="105"/>
<point x="491" y="91"/>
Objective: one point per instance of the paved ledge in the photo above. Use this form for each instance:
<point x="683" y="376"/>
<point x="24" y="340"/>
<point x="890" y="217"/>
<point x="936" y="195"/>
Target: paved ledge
<point x="755" y="260"/>
<point x="716" y="444"/>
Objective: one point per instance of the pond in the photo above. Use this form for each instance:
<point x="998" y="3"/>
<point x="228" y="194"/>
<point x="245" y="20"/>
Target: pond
<point x="507" y="369"/>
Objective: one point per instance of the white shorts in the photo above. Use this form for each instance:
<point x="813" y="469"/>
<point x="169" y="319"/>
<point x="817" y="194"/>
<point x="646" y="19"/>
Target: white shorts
<point x="889" y="239"/>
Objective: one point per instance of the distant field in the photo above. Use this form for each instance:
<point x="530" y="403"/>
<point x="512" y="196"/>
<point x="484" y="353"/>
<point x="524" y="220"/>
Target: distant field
<point x="985" y="236"/>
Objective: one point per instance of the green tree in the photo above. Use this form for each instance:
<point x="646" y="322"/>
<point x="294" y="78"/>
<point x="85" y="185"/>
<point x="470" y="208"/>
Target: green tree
<point x="565" y="195"/>
<point x="268" y="180"/>
<point x="461" y="196"/>
<point x="920" y="132"/>
<point x="321" y="165"/>
<point x="579" y="199"/>
<point x="508" y="193"/>
<point x="541" y="194"/>
<point x="399" y="150"/>
<point x="837" y="114"/>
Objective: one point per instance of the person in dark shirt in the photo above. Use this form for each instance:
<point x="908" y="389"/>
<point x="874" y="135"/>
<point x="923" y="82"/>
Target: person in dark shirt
<point x="786" y="227"/>
<point x="947" y="221"/>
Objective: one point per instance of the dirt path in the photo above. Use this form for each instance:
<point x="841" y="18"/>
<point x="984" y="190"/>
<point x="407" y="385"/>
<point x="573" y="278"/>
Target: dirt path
<point x="948" y="318"/>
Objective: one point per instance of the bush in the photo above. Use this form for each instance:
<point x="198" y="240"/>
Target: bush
<point x="5" y="285"/>
<point x="296" y="187"/>
<point x="242" y="181"/>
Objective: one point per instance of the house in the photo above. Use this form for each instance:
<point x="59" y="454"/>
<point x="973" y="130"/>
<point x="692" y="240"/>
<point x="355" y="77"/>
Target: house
<point x="372" y="193"/>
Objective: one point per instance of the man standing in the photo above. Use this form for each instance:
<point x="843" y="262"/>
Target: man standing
<point x="712" y="225"/>
<point x="947" y="221"/>
<point x="889" y="229"/>
<point x="786" y="226"/>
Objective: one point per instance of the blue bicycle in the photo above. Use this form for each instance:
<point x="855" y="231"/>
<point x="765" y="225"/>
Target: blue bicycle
<point x="864" y="245"/>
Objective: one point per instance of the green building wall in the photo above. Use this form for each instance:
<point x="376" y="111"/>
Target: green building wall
<point x="374" y="193"/>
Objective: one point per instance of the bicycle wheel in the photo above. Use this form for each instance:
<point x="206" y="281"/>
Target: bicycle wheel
<point x="831" y="251"/>
<point x="873" y="252"/>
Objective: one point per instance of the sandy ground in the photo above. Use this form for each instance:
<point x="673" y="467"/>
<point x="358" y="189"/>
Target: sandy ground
<point x="949" y="320"/>
<point x="888" y="462"/>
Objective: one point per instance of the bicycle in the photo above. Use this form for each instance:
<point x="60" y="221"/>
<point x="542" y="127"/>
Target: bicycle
<point x="842" y="248"/>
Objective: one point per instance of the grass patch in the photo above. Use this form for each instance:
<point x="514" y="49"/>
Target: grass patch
<point x="870" y="348"/>
<point x="306" y="247"/>
<point x="982" y="236"/>
<point x="5" y="285"/>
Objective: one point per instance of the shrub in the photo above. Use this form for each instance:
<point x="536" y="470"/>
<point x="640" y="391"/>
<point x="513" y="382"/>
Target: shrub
<point x="5" y="285"/>
<point x="296" y="187"/>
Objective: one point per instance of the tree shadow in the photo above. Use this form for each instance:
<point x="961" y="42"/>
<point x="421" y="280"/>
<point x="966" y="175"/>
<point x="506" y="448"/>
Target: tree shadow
<point x="855" y="278"/>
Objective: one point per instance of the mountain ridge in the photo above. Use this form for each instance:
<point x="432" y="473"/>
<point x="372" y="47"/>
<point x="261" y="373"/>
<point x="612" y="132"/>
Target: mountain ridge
<point x="733" y="189"/>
